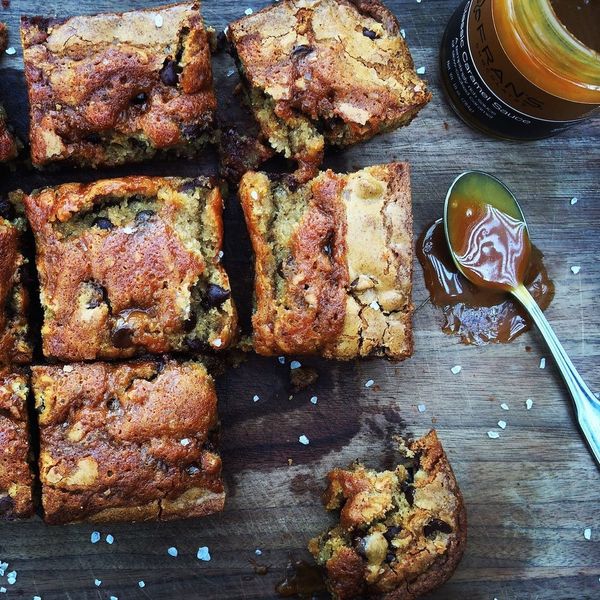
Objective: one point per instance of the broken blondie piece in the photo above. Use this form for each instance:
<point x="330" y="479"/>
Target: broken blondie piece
<point x="15" y="343"/>
<point x="325" y="72"/>
<point x="128" y="442"/>
<point x="16" y="478"/>
<point x="333" y="263"/>
<point x="131" y="265"/>
<point x="401" y="533"/>
<point x="8" y="143"/>
<point x="114" y="88"/>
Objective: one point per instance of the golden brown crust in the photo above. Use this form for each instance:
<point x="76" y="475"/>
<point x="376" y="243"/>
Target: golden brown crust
<point x="14" y="329"/>
<point x="401" y="533"/>
<point x="144" y="281"/>
<point x="333" y="263"/>
<point x="16" y="478"/>
<point x="112" y="88"/>
<point x="129" y="441"/>
<point x="325" y="70"/>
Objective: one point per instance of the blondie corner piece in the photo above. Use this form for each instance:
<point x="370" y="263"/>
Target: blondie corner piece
<point x="325" y="72"/>
<point x="16" y="478"/>
<point x="128" y="442"/>
<point x="15" y="343"/>
<point x="401" y="533"/>
<point x="333" y="263"/>
<point x="115" y="88"/>
<point x="8" y="143"/>
<point x="132" y="265"/>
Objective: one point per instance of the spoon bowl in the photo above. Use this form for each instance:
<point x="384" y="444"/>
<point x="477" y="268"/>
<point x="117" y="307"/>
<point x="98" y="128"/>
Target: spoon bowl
<point x="489" y="242"/>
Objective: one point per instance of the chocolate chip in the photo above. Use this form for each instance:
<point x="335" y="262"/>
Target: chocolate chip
<point x="102" y="223"/>
<point x="390" y="557"/>
<point x="436" y="525"/>
<point x="7" y="210"/>
<point x="193" y="131"/>
<point x="141" y="98"/>
<point x="409" y="492"/>
<point x="392" y="532"/>
<point x="168" y="73"/>
<point x="215" y="296"/>
<point x="360" y="545"/>
<point x="113" y="404"/>
<point x="144" y="216"/>
<point x="301" y="51"/>
<point x="122" y="337"/>
<point x="189" y="185"/>
<point x="372" y="35"/>
<point x="93" y="138"/>
<point x="190" y="322"/>
<point x="196" y="345"/>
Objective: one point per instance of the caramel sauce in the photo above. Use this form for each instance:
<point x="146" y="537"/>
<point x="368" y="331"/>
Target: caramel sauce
<point x="479" y="316"/>
<point x="581" y="18"/>
<point x="302" y="580"/>
<point x="491" y="244"/>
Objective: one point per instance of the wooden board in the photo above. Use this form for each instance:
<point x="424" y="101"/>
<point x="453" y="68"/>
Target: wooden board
<point x="529" y="494"/>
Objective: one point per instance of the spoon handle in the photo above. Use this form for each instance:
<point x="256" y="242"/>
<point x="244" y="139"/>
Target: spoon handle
<point x="586" y="404"/>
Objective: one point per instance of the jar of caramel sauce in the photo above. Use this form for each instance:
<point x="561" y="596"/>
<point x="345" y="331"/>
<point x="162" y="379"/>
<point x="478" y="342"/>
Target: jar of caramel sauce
<point x="523" y="69"/>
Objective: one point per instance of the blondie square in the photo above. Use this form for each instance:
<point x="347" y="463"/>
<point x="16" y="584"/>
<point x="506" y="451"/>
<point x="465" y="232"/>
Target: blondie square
<point x="401" y="533"/>
<point x="333" y="263"/>
<point x="322" y="72"/>
<point x="15" y="346"/>
<point x="131" y="441"/>
<point x="129" y="266"/>
<point x="115" y="88"/>
<point x="16" y="478"/>
<point x="8" y="143"/>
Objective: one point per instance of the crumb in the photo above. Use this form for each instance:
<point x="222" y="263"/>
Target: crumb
<point x="303" y="377"/>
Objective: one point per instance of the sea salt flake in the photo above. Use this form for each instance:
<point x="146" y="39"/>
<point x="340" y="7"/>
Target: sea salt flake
<point x="2" y="590"/>
<point x="575" y="269"/>
<point x="304" y="440"/>
<point x="217" y="343"/>
<point x="94" y="538"/>
<point x="10" y="51"/>
<point x="230" y="72"/>
<point x="574" y="200"/>
<point x="37" y="598"/>
<point x="281" y="360"/>
<point x="254" y="195"/>
<point x="97" y="582"/>
<point x="114" y="598"/>
<point x="528" y="403"/>
<point x="221" y="254"/>
<point x="403" y="33"/>
<point x="587" y="533"/>
<point x="142" y="583"/>
<point x="11" y="577"/>
<point x="494" y="435"/>
<point x="172" y="551"/>
<point x="314" y="400"/>
<point x="258" y="552"/>
<point x="369" y="383"/>
<point x="248" y="11"/>
<point x="295" y="365"/>
<point x="502" y="424"/>
<point x="542" y="363"/>
<point x="110" y="539"/>
<point x="203" y="553"/>
<point x="158" y="20"/>
<point x="504" y="406"/>
<point x="422" y="408"/>
<point x="374" y="305"/>
<point x="184" y="442"/>
<point x="421" y="71"/>
<point x="68" y="369"/>
<point x="255" y="398"/>
<point x="456" y="369"/>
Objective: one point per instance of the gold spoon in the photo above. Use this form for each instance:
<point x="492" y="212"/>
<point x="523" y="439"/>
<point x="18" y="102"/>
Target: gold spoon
<point x="489" y="243"/>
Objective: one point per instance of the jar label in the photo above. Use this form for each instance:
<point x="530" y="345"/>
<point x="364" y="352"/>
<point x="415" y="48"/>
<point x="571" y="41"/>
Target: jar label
<point x="481" y="78"/>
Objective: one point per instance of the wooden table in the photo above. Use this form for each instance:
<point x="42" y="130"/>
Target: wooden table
<point x="529" y="494"/>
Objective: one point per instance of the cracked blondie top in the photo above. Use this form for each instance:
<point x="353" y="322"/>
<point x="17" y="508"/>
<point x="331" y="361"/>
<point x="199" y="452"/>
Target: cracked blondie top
<point x="401" y="533"/>
<point x="132" y="441"/>
<point x="322" y="72"/>
<point x="15" y="346"/>
<point x="129" y="266"/>
<point x="115" y="88"/>
<point x="16" y="478"/>
<point x="333" y="263"/>
<point x="8" y="143"/>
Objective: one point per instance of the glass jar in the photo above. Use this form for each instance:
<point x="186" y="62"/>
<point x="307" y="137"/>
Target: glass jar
<point x="512" y="69"/>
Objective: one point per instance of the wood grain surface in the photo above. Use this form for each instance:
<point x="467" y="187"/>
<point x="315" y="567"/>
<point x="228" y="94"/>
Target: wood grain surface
<point x="529" y="494"/>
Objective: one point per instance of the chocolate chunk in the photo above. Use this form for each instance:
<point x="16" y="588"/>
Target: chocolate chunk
<point x="436" y="525"/>
<point x="392" y="532"/>
<point x="102" y="223"/>
<point x="144" y="216"/>
<point x="301" y="51"/>
<point x="372" y="35"/>
<point x="189" y="185"/>
<point x="168" y="73"/>
<point x="190" y="322"/>
<point x="93" y="138"/>
<point x="215" y="296"/>
<point x="99" y="295"/>
<point x="390" y="557"/>
<point x="141" y="98"/>
<point x="360" y="545"/>
<point x="122" y="337"/>
<point x="113" y="405"/>
<point x="7" y="210"/>
<point x="409" y="492"/>
<point x="196" y="345"/>
<point x="192" y="131"/>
